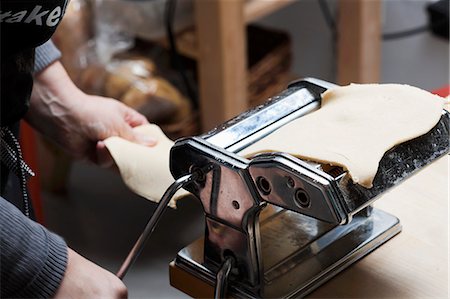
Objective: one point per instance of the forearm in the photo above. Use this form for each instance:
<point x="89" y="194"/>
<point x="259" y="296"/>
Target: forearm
<point x="75" y="120"/>
<point x="48" y="74"/>
<point x="53" y="101"/>
<point x="58" y="109"/>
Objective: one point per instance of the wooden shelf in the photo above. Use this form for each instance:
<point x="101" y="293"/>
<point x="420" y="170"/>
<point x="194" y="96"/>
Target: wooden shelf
<point x="253" y="10"/>
<point x="186" y="43"/>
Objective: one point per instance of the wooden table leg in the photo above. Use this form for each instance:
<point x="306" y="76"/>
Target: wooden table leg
<point x="222" y="60"/>
<point x="359" y="41"/>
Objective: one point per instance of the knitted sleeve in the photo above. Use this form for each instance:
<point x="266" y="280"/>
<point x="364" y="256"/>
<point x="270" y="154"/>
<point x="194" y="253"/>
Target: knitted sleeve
<point x="45" y="55"/>
<point x="32" y="259"/>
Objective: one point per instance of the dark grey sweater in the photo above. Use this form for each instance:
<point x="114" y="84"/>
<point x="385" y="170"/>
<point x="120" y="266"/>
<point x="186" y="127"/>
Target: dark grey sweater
<point x="32" y="259"/>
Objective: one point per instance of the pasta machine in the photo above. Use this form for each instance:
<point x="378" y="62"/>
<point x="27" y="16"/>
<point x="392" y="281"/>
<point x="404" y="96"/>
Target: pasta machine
<point x="278" y="226"/>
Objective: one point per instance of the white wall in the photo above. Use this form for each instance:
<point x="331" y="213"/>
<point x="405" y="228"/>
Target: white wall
<point x="421" y="60"/>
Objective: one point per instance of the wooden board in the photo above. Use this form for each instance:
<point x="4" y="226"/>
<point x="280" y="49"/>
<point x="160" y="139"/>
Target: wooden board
<point x="189" y="284"/>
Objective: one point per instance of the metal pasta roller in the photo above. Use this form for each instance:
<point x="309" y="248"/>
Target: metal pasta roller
<point x="278" y="226"/>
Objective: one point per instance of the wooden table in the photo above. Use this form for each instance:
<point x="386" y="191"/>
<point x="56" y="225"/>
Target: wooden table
<point x="414" y="264"/>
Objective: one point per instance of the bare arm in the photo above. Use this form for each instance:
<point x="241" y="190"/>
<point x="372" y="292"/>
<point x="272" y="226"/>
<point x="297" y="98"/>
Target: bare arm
<point x="76" y="121"/>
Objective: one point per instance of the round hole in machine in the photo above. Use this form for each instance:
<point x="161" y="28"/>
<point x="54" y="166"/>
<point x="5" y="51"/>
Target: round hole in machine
<point x="235" y="204"/>
<point x="301" y="198"/>
<point x="263" y="185"/>
<point x="202" y="177"/>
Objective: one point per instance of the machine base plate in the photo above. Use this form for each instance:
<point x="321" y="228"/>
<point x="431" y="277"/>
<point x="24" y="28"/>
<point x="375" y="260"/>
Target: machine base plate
<point x="294" y="267"/>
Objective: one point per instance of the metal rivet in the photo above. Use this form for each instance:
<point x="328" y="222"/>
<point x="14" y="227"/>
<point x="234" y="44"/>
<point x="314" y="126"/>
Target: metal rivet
<point x="290" y="182"/>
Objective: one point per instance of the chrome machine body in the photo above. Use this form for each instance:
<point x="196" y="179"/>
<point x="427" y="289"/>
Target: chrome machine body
<point x="288" y="224"/>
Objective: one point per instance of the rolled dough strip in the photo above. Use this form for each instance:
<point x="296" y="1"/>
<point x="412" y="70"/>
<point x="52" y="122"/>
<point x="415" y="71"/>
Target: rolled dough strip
<point x="355" y="126"/>
<point x="145" y="170"/>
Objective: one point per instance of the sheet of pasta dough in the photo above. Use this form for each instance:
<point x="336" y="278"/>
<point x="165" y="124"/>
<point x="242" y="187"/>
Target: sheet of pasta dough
<point x="145" y="170"/>
<point x="355" y="126"/>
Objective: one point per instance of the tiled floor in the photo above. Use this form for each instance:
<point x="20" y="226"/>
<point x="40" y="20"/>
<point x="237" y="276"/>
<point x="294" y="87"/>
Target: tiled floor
<point x="101" y="219"/>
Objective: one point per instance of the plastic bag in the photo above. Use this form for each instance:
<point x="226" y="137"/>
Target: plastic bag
<point x="132" y="79"/>
<point x="143" y="18"/>
<point x="74" y="31"/>
<point x="103" y="65"/>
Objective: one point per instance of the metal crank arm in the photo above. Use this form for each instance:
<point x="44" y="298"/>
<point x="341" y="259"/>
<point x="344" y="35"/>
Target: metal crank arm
<point x="151" y="224"/>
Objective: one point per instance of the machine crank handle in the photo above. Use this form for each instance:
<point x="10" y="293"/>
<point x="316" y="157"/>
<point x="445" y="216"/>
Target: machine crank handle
<point x="151" y="224"/>
<point x="222" y="276"/>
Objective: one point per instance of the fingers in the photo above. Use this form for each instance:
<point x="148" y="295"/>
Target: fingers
<point x="128" y="133"/>
<point x="145" y="139"/>
<point x="118" y="120"/>
<point x="134" y="118"/>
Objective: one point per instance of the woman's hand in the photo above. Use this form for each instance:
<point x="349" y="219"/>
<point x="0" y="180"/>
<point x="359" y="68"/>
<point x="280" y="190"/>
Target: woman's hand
<point x="79" y="122"/>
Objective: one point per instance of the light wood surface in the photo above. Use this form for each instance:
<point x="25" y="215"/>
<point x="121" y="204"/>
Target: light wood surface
<point x="414" y="264"/>
<point x="359" y="41"/>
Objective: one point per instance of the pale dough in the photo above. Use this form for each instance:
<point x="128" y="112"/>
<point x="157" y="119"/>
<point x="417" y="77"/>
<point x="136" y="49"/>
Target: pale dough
<point x="145" y="170"/>
<point x="355" y="126"/>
